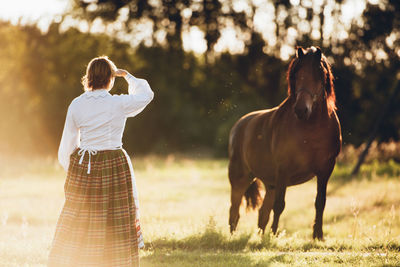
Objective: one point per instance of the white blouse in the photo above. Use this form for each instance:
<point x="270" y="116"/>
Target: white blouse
<point x="96" y="119"/>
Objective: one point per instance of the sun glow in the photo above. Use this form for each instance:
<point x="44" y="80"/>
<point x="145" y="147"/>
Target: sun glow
<point x="28" y="11"/>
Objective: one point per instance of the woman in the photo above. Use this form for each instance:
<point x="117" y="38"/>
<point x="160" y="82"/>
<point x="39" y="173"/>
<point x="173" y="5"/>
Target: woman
<point x="99" y="223"/>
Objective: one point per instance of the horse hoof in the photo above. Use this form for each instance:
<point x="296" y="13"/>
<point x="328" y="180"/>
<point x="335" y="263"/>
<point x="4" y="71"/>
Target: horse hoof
<point x="318" y="235"/>
<point x="261" y="231"/>
<point x="274" y="230"/>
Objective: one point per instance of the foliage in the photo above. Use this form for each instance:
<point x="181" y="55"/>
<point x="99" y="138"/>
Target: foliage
<point x="379" y="152"/>
<point x="197" y="97"/>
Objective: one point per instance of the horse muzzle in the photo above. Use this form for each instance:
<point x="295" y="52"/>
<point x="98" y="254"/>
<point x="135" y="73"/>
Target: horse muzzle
<point x="302" y="113"/>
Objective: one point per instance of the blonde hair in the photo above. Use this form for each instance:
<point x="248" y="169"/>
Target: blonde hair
<point x="99" y="73"/>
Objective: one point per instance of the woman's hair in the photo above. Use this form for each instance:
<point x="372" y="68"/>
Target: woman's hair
<point x="99" y="73"/>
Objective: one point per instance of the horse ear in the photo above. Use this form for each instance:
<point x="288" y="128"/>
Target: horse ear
<point x="299" y="52"/>
<point x="318" y="53"/>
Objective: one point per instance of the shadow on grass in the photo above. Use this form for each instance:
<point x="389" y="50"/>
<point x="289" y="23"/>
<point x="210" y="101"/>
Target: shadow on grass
<point x="213" y="239"/>
<point x="210" y="239"/>
<point x="214" y="248"/>
<point x="199" y="258"/>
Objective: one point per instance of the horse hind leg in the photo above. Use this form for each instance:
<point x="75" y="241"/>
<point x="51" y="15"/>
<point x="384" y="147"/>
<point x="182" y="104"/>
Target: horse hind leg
<point x="279" y="206"/>
<point x="265" y="209"/>
<point x="239" y="183"/>
<point x="236" y="200"/>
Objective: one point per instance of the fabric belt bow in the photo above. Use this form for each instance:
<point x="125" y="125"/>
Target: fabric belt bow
<point x="82" y="152"/>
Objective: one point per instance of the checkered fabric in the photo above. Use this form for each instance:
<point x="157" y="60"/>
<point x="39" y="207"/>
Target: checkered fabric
<point x="97" y="223"/>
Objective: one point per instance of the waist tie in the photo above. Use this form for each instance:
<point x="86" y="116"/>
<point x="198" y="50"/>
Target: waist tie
<point x="82" y="152"/>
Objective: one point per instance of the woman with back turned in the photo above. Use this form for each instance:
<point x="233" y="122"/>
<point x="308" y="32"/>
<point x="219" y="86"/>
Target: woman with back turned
<point x="99" y="223"/>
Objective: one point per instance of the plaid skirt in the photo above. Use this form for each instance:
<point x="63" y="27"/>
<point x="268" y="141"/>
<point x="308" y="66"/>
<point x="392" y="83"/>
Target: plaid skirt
<point x="98" y="225"/>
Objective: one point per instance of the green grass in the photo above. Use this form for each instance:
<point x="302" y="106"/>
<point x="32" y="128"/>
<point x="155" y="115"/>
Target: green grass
<point x="184" y="207"/>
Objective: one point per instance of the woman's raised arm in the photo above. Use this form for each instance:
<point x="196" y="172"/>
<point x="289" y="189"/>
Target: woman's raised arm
<point x="140" y="94"/>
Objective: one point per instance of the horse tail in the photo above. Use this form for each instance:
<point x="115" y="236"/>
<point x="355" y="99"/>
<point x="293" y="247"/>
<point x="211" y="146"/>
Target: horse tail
<point x="252" y="194"/>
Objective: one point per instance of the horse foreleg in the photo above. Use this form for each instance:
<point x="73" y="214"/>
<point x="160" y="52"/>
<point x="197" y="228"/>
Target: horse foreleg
<point x="319" y="207"/>
<point x="265" y="210"/>
<point x="279" y="202"/>
<point x="320" y="200"/>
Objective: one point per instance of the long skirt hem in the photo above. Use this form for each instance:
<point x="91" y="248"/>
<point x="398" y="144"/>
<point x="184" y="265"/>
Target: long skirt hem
<point x="98" y="223"/>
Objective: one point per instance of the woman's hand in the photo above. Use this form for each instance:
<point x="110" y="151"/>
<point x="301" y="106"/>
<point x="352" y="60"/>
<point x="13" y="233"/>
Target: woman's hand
<point x="120" y="73"/>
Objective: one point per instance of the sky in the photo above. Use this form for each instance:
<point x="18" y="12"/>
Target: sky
<point x="32" y="10"/>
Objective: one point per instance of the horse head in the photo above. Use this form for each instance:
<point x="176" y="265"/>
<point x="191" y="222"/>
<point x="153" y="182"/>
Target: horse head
<point x="310" y="82"/>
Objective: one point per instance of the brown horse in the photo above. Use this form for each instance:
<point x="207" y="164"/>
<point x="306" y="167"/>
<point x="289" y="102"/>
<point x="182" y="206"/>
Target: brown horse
<point x="287" y="145"/>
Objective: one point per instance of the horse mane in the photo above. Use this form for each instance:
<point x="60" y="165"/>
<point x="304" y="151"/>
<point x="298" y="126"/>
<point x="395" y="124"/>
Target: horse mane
<point x="327" y="72"/>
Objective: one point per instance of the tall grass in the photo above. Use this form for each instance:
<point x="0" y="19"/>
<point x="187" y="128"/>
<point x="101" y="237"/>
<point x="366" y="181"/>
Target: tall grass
<point x="184" y="206"/>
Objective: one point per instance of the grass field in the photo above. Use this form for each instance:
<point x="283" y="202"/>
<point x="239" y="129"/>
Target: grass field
<point x="184" y="207"/>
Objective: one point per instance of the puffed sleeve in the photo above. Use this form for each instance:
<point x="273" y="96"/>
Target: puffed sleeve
<point x="69" y="140"/>
<point x="140" y="94"/>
